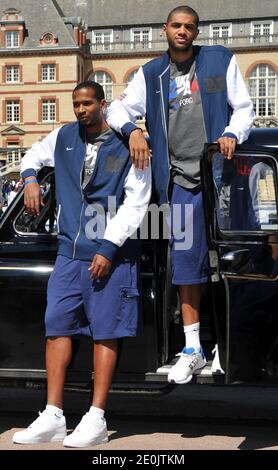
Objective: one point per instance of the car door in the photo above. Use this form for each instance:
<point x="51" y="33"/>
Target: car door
<point x="28" y="249"/>
<point x="240" y="199"/>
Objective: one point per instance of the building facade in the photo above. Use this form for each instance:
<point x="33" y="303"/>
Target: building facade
<point x="121" y="41"/>
<point x="42" y="56"/>
<point x="107" y="41"/>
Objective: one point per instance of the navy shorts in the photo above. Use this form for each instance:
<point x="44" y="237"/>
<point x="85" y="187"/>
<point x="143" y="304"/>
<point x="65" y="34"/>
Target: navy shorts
<point x="106" y="308"/>
<point x="188" y="243"/>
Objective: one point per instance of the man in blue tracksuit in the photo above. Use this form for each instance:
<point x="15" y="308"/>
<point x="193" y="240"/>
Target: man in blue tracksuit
<point x="94" y="288"/>
<point x="190" y="95"/>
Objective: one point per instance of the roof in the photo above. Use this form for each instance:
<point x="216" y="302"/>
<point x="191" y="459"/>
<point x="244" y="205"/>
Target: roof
<point x="130" y="12"/>
<point x="40" y="17"/>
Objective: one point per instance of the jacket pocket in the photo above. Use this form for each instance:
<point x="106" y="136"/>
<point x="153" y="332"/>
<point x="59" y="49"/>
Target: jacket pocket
<point x="215" y="84"/>
<point x="129" y="307"/>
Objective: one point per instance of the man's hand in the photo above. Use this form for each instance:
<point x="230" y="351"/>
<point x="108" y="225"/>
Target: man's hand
<point x="139" y="149"/>
<point x="100" y="266"/>
<point x="33" y="197"/>
<point x="227" y="146"/>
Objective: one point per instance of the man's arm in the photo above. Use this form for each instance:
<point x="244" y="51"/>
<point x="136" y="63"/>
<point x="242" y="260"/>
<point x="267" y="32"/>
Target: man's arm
<point x="40" y="154"/>
<point x="126" y="221"/>
<point x="243" y="114"/>
<point x="122" y="113"/>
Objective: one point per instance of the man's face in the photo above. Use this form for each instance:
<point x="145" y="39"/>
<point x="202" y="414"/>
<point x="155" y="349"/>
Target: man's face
<point x="181" y="31"/>
<point x="87" y="109"/>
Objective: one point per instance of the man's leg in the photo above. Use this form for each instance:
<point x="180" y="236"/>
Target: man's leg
<point x="189" y="272"/>
<point x="190" y="298"/>
<point x="50" y="426"/>
<point x="105" y="356"/>
<point x="58" y="356"/>
<point x="92" y="429"/>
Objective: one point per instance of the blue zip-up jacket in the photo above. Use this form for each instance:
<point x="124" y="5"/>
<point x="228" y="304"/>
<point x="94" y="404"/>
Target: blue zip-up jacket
<point x="227" y="107"/>
<point x="113" y="175"/>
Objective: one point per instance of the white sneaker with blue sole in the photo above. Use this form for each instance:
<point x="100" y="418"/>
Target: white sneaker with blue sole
<point x="190" y="362"/>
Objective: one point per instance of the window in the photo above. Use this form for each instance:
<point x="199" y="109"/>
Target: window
<point x="49" y="110"/>
<point x="141" y="38"/>
<point x="131" y="75"/>
<point x="261" y="31"/>
<point x="12" y="73"/>
<point x="12" y="38"/>
<point x="263" y="90"/>
<point x="13" y="155"/>
<point x="221" y="34"/>
<point x="12" y="111"/>
<point x="48" y="72"/>
<point x="46" y="222"/>
<point x="48" y="39"/>
<point x="102" y="41"/>
<point x="105" y="80"/>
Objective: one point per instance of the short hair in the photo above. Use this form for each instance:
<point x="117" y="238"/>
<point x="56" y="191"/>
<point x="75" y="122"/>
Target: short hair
<point x="184" y="9"/>
<point x="98" y="89"/>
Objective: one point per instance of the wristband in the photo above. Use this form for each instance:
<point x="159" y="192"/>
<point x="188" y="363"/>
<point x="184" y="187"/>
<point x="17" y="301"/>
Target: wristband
<point x="30" y="181"/>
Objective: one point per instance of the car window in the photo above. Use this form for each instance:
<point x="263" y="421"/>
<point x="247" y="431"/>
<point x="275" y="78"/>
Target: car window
<point x="45" y="222"/>
<point x="245" y="194"/>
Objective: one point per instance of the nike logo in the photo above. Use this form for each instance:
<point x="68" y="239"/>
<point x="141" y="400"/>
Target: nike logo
<point x="69" y="148"/>
<point x="241" y="189"/>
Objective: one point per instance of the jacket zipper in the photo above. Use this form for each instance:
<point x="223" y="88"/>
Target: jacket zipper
<point x="58" y="217"/>
<point x="164" y="126"/>
<point x="80" y="220"/>
<point x="82" y="196"/>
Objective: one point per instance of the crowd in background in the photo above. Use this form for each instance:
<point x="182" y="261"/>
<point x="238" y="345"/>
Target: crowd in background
<point x="8" y="190"/>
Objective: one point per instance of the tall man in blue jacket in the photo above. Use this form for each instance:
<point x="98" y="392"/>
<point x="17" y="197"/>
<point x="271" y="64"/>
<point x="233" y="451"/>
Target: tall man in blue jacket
<point x="94" y="286"/>
<point x="190" y="95"/>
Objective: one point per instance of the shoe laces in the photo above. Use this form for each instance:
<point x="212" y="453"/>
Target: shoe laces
<point x="189" y="359"/>
<point x="43" y="416"/>
<point x="84" y="423"/>
<point x="89" y="421"/>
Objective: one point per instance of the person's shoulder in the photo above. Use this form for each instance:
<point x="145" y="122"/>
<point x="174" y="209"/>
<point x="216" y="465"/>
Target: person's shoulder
<point x="70" y="126"/>
<point x="117" y="137"/>
<point x="217" y="50"/>
<point x="157" y="62"/>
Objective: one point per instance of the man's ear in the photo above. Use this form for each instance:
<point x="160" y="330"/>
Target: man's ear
<point x="164" y="29"/>
<point x="197" y="33"/>
<point x="103" y="103"/>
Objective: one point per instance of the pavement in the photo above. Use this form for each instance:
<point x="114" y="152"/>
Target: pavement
<point x="187" y="417"/>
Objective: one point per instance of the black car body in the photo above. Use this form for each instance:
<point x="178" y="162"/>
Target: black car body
<point x="239" y="307"/>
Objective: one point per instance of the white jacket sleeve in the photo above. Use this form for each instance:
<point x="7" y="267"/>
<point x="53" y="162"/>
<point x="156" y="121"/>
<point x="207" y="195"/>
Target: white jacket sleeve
<point x="40" y="154"/>
<point x="130" y="214"/>
<point x="130" y="105"/>
<point x="241" y="103"/>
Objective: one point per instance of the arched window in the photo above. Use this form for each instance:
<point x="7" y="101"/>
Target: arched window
<point x="131" y="75"/>
<point x="263" y="90"/>
<point x="106" y="81"/>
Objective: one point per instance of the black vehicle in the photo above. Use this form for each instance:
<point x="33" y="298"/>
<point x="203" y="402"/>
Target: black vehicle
<point x="239" y="307"/>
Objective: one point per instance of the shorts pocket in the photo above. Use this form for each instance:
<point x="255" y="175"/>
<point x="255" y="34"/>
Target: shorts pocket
<point x="129" y="307"/>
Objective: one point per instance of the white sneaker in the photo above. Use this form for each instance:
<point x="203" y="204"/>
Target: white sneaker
<point x="188" y="364"/>
<point x="46" y="428"/>
<point x="91" y="430"/>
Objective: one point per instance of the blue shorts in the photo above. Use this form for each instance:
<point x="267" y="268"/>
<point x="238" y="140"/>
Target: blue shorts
<point x="107" y="308"/>
<point x="188" y="243"/>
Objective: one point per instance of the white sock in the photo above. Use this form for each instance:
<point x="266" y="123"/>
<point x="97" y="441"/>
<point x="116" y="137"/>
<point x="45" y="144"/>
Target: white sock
<point x="192" y="336"/>
<point x="54" y="410"/>
<point x="96" y="410"/>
